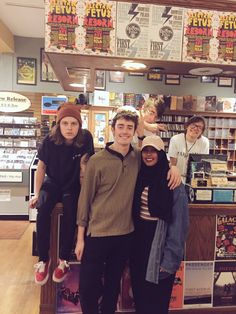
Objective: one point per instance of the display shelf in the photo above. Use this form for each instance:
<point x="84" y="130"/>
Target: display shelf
<point x="220" y="130"/>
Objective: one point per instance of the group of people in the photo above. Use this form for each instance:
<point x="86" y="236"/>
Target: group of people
<point x="131" y="207"/>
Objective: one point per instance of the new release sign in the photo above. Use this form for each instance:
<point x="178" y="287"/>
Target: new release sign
<point x="13" y="102"/>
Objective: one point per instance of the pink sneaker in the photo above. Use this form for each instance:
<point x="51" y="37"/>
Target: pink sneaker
<point x="61" y="271"/>
<point x="41" y="272"/>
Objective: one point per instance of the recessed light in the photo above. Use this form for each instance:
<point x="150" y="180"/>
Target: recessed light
<point x="156" y="69"/>
<point x="131" y="65"/>
<point x="205" y="71"/>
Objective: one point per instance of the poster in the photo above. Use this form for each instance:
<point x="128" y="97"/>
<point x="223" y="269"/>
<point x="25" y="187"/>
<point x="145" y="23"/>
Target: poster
<point x="176" y="301"/>
<point x="132" y="30"/>
<point x="224" y="291"/>
<point x="68" y="292"/>
<point x="198" y="284"/>
<point x="200" y="29"/>
<point x="226" y="36"/>
<point x="149" y="31"/>
<point x="225" y="248"/>
<point x="61" y="18"/>
<point x="51" y="104"/>
<point x="165" y="33"/>
<point x="97" y="23"/>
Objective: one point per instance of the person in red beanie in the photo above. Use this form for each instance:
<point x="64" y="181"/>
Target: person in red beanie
<point x="61" y="155"/>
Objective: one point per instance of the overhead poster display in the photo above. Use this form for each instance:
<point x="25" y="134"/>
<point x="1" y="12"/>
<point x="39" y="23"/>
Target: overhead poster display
<point x="199" y="43"/>
<point x="149" y="31"/>
<point x="226" y="36"/>
<point x="165" y="33"/>
<point x="97" y="31"/>
<point x="61" y="18"/>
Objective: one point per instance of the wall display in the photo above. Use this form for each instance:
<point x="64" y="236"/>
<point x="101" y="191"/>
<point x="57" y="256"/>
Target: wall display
<point x="26" y="71"/>
<point x="100" y="79"/>
<point x="172" y="79"/>
<point x="46" y="71"/>
<point x="116" y="77"/>
<point x="225" y="81"/>
<point x="87" y="27"/>
<point x="151" y="76"/>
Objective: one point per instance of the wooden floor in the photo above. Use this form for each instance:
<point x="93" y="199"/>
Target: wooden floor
<point x="18" y="292"/>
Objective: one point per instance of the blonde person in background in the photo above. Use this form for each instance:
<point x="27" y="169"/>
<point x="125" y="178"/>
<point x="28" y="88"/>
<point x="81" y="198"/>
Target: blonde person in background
<point x="191" y="141"/>
<point x="153" y="110"/>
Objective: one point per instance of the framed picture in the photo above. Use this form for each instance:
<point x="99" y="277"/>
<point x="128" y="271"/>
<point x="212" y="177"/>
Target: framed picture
<point x="190" y="76"/>
<point x="172" y="79"/>
<point x="26" y="71"/>
<point x="116" y="77"/>
<point x="46" y="72"/>
<point x="225" y="81"/>
<point x="100" y="79"/>
<point x="208" y="79"/>
<point x="136" y="74"/>
<point x="152" y="76"/>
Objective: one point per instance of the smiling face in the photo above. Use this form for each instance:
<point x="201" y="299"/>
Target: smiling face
<point x="194" y="130"/>
<point x="123" y="132"/>
<point x="150" y="114"/>
<point x="149" y="156"/>
<point x="69" y="128"/>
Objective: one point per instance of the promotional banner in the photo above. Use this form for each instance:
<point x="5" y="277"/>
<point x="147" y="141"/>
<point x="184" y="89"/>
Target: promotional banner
<point x="200" y="29"/>
<point x="149" y="31"/>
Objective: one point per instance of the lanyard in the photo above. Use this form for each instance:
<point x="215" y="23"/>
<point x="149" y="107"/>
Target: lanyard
<point x="187" y="150"/>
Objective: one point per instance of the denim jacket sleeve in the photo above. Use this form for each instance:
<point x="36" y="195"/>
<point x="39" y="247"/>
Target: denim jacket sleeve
<point x="176" y="232"/>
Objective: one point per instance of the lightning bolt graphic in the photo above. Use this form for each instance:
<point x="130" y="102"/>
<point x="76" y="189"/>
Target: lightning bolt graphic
<point x="166" y="15"/>
<point x="132" y="10"/>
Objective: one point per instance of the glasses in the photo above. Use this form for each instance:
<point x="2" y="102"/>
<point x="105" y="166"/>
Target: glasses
<point x="196" y="126"/>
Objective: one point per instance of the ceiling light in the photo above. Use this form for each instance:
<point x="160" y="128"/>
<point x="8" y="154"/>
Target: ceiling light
<point x="205" y="71"/>
<point x="131" y="65"/>
<point x="228" y="72"/>
<point x="156" y="69"/>
<point x="76" y="85"/>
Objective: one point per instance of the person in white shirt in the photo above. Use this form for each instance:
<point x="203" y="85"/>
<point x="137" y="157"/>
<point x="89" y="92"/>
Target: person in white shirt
<point x="190" y="142"/>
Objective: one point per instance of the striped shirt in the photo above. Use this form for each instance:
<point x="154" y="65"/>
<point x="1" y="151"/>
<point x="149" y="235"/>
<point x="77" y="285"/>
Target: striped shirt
<point x="144" y="211"/>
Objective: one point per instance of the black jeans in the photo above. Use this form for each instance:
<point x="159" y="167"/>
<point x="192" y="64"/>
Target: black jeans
<point x="50" y="194"/>
<point x="102" y="264"/>
<point x="149" y="298"/>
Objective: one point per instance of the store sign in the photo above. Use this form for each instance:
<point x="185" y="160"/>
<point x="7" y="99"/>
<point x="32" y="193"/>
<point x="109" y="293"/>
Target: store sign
<point x="13" y="102"/>
<point x="7" y="176"/>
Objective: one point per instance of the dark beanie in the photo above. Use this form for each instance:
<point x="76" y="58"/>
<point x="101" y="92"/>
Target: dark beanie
<point x="69" y="110"/>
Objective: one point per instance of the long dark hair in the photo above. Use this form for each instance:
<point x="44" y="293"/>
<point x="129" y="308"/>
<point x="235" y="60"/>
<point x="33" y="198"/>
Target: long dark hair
<point x="56" y="136"/>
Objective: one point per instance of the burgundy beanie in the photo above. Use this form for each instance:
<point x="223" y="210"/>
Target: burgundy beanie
<point x="69" y="110"/>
